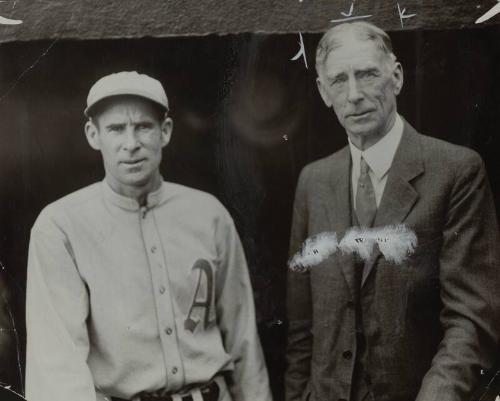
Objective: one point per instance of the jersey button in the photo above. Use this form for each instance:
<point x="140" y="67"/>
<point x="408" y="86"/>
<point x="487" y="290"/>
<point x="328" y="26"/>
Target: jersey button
<point x="153" y="249"/>
<point x="174" y="370"/>
<point x="168" y="330"/>
<point x="162" y="289"/>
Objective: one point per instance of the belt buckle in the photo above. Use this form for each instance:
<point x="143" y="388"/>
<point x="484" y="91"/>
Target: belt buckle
<point x="207" y="392"/>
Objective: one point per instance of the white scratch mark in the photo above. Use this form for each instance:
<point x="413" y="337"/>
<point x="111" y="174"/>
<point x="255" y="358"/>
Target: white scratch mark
<point x="350" y="18"/>
<point x="402" y="15"/>
<point x="14" y="3"/>
<point x="351" y="10"/>
<point x="27" y="70"/>
<point x="9" y="389"/>
<point x="8" y="21"/>
<point x="395" y="242"/>
<point x="349" y="15"/>
<point x="301" y="52"/>
<point x="489" y="14"/>
<point x="13" y="330"/>
<point x="492" y="380"/>
<point x="16" y="337"/>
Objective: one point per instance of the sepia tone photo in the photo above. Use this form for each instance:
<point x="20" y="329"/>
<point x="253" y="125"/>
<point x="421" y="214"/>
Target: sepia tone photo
<point x="236" y="201"/>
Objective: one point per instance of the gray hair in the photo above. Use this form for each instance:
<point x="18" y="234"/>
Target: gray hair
<point x="332" y="39"/>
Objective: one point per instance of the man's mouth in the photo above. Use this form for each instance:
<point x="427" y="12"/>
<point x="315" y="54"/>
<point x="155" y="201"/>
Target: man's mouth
<point x="133" y="162"/>
<point x="359" y="114"/>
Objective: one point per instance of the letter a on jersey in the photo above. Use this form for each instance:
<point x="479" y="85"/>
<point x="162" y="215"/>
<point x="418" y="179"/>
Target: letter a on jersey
<point x="191" y="323"/>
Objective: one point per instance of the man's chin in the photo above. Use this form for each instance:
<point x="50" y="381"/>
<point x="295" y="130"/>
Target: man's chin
<point x="138" y="179"/>
<point x="360" y="129"/>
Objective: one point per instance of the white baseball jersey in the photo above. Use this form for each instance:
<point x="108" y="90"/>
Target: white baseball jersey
<point x="123" y="299"/>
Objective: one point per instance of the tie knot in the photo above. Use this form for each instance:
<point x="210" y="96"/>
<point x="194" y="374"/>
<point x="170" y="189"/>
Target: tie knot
<point x="364" y="168"/>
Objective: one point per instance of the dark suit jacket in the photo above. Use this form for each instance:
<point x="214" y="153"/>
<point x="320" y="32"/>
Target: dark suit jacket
<point x="431" y="323"/>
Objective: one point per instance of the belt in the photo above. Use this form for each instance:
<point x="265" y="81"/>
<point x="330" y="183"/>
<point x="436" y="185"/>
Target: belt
<point x="209" y="392"/>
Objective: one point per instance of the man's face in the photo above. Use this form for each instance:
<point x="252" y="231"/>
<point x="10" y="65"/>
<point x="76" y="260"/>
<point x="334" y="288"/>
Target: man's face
<point x="361" y="83"/>
<point x="130" y="136"/>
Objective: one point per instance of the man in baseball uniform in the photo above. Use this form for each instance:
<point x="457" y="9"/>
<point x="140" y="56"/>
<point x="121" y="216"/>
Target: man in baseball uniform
<point x="138" y="288"/>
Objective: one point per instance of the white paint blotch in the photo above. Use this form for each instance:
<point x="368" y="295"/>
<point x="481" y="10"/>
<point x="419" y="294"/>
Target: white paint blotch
<point x="395" y="242"/>
<point x="399" y="242"/>
<point x="358" y="240"/>
<point x="314" y="251"/>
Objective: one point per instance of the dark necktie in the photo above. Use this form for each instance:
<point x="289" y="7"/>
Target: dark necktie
<point x="366" y="204"/>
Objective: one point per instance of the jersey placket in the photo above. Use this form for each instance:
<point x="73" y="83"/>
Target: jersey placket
<point x="164" y="304"/>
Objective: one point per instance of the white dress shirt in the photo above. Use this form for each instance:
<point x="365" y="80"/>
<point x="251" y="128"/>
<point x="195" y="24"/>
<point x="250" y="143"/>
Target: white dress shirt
<point x="379" y="158"/>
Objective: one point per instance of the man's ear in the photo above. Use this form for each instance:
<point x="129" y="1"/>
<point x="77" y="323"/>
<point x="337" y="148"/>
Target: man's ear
<point x="323" y="93"/>
<point x="166" y="130"/>
<point x="397" y="77"/>
<point x="92" y="134"/>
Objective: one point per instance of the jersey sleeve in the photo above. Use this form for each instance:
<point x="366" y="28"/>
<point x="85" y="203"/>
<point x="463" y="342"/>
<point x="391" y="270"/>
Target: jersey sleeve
<point x="236" y="317"/>
<point x="57" y="308"/>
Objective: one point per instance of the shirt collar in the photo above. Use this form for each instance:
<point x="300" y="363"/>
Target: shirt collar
<point x="153" y="199"/>
<point x="379" y="157"/>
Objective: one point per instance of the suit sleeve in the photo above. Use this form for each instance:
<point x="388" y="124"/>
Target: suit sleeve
<point x="469" y="280"/>
<point x="56" y="313"/>
<point x="236" y="317"/>
<point x="299" y="309"/>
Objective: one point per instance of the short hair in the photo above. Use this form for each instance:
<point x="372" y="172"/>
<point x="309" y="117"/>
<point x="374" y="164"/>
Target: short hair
<point x="332" y="39"/>
<point x="97" y="109"/>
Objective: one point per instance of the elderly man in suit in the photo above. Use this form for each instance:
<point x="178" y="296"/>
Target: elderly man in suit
<point x="372" y="329"/>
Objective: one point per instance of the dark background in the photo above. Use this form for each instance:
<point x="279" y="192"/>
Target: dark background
<point x="246" y="120"/>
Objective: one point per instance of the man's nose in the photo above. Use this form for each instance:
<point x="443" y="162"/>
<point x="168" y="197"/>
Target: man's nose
<point x="354" y="95"/>
<point x="131" y="140"/>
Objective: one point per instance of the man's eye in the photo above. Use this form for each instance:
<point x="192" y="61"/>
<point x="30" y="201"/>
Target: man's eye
<point x="143" y="127"/>
<point x="367" y="74"/>
<point x="337" y="81"/>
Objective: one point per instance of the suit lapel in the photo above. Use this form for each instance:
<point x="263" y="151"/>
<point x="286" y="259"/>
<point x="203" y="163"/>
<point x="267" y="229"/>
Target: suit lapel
<point x="399" y="195"/>
<point x="338" y="207"/>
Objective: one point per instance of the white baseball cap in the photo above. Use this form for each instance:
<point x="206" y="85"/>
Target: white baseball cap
<point x="127" y="83"/>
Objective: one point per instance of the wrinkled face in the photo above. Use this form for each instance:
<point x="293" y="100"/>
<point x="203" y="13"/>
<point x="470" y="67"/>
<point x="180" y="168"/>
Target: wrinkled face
<point x="361" y="83"/>
<point x="130" y="137"/>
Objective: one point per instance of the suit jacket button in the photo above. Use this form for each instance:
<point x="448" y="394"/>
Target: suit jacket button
<point x="347" y="355"/>
<point x="350" y="304"/>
